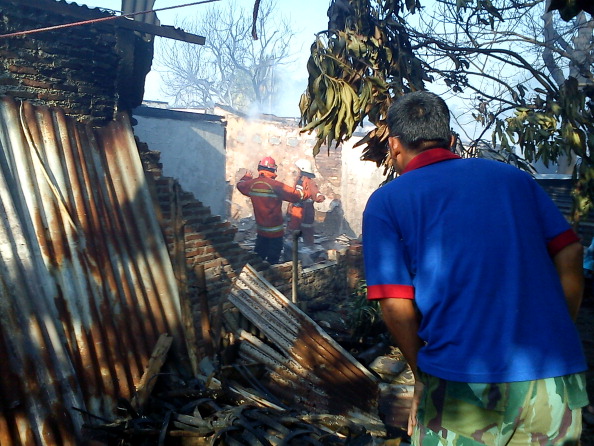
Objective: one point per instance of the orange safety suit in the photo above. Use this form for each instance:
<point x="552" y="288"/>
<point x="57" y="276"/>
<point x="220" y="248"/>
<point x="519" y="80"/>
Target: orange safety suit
<point x="302" y="215"/>
<point x="267" y="196"/>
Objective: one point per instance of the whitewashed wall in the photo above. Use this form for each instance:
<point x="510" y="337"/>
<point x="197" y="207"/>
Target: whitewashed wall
<point x="192" y="147"/>
<point x="359" y="180"/>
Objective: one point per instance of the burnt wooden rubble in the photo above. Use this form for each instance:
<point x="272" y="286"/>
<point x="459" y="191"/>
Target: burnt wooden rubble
<point x="275" y="377"/>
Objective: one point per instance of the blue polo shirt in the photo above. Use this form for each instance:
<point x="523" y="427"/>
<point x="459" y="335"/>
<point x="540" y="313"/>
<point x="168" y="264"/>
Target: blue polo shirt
<point x="471" y="241"/>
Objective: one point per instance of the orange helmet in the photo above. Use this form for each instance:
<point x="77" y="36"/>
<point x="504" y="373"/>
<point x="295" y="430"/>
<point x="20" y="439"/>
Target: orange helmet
<point x="267" y="163"/>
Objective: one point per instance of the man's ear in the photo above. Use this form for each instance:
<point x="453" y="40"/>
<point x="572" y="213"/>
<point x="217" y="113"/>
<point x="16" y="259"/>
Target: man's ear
<point x="452" y="141"/>
<point x="394" y="145"/>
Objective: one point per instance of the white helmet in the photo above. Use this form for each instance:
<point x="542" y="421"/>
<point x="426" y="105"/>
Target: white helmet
<point x="304" y="166"/>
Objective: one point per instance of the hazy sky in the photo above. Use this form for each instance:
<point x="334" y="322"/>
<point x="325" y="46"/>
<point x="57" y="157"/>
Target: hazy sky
<point x="306" y="16"/>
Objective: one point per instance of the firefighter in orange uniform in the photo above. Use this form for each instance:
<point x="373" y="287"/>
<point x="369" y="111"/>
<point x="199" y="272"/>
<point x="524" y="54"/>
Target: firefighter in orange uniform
<point x="301" y="215"/>
<point x="267" y="196"/>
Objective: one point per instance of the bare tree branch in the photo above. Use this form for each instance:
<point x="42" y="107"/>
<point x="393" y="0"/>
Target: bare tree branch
<point x="231" y="68"/>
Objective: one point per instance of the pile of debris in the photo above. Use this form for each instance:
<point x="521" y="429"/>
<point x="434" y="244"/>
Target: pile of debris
<point x="282" y="381"/>
<point x="207" y="411"/>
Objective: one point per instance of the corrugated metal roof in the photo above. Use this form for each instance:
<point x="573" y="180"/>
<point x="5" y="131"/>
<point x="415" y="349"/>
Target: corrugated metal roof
<point x="129" y="6"/>
<point x="65" y="6"/>
<point x="86" y="283"/>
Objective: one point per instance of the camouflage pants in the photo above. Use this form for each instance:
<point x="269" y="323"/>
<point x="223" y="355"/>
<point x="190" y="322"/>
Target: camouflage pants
<point x="538" y="413"/>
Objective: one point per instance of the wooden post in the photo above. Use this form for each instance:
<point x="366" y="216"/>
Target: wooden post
<point x="296" y="236"/>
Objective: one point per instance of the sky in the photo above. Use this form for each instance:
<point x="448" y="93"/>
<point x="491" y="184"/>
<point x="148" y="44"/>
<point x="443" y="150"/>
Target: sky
<point x="306" y="16"/>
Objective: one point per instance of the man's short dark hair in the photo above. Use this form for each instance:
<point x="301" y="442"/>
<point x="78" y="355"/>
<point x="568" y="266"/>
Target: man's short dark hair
<point x="420" y="117"/>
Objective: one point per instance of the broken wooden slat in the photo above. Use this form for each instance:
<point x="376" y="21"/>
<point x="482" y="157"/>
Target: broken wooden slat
<point x="156" y="361"/>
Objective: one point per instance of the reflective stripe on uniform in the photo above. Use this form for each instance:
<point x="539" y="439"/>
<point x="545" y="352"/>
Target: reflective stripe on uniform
<point x="259" y="191"/>
<point x="270" y="229"/>
<point x="256" y="193"/>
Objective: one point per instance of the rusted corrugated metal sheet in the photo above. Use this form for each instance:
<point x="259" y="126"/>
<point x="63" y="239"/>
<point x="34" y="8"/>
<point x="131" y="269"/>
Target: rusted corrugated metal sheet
<point x="86" y="283"/>
<point x="306" y="368"/>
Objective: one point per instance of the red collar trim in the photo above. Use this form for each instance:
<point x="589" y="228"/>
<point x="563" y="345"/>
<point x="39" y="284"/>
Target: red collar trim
<point x="430" y="156"/>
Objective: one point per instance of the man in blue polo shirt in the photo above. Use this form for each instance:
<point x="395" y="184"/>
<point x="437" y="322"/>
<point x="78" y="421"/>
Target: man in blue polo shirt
<point x="479" y="278"/>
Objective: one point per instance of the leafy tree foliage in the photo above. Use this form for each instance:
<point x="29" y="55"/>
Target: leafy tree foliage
<point x="527" y="78"/>
<point x="232" y="68"/>
<point x="356" y="67"/>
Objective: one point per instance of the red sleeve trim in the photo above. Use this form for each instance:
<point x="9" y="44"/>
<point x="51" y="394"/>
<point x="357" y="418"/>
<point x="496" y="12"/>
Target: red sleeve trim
<point x="561" y="241"/>
<point x="390" y="291"/>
